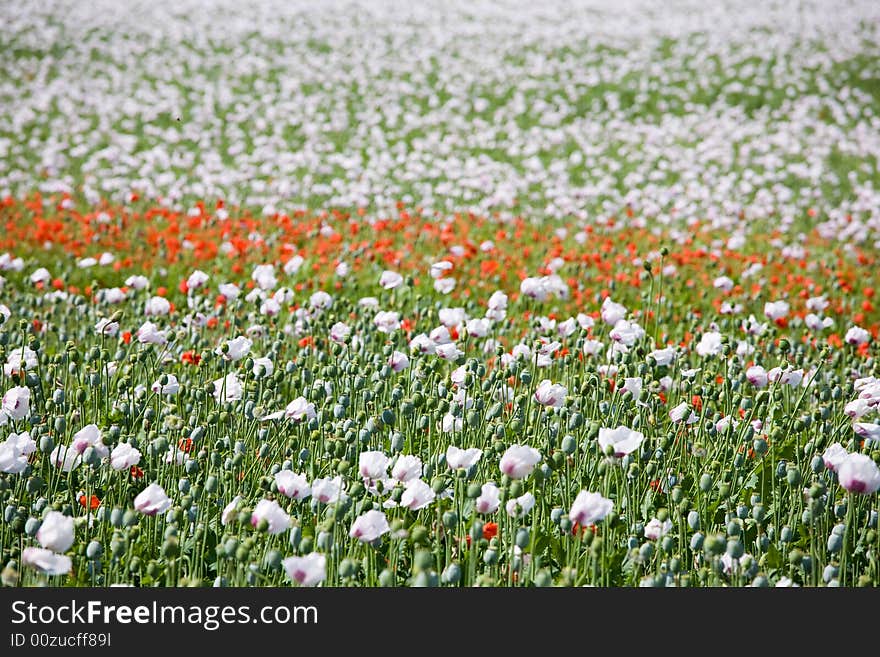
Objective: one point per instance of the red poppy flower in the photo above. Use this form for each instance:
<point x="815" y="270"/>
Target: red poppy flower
<point x="93" y="503"/>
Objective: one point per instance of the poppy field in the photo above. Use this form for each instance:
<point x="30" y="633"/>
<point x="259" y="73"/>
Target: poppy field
<point x="453" y="294"/>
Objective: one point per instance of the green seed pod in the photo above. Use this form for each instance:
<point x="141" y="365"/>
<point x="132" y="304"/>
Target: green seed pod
<point x="386" y="578"/>
<point x="451" y="574"/>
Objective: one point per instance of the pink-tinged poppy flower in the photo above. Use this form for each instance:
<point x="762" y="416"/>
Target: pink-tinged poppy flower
<point x="137" y="282"/>
<point x="309" y="570"/>
<point x="14" y="452"/>
<point x="339" y="332"/>
<point x="149" y="333"/>
<point x="585" y="321"/>
<point x="520" y="507"/>
<point x="292" y="485"/>
<point x="398" y="361"/>
<point x="833" y="456"/>
<point x="124" y="456"/>
<point x="656" y="529"/>
<point x="859" y="474"/>
<point x="46" y="561"/>
<point x="518" y="461"/>
<point x="626" y="333"/>
<point x="373" y="465"/>
<point x="20" y="359"/>
<point x="774" y="310"/>
<point x="229" y="291"/>
<point x="551" y="394"/>
<point x="89" y="436"/>
<point x="723" y="283"/>
<point x="612" y="312"/>
<point x="439" y="269"/>
<point x="228" y="389"/>
<point x="157" y="307"/>
<point x="107" y="327"/>
<point x="273" y="514"/>
<point x="387" y="321"/>
<point x="300" y="409"/>
<point x="417" y="495"/>
<point x="320" y="300"/>
<point x="270" y="307"/>
<point x="498" y="301"/>
<point x="152" y="500"/>
<point x="264" y="277"/>
<point x="263" y="367"/>
<point x="710" y="344"/>
<point x="236" y="349"/>
<point x="478" y="328"/>
<point x="451" y="318"/>
<point x="390" y="280"/>
<point x="489" y="499"/>
<point x="793" y="378"/>
<point x="753" y="327"/>
<point x="534" y="288"/>
<point x="448" y="351"/>
<point x="65" y="458"/>
<point x="230" y="510"/>
<point x="444" y="285"/>
<point x="451" y="424"/>
<point x="567" y="328"/>
<point x="170" y="387"/>
<point x="369" y="526"/>
<point x="17" y="403"/>
<point x="817" y="304"/>
<point x="856" y="335"/>
<point x="593" y="347"/>
<point x="867" y="430"/>
<point x="40" y="275"/>
<point x="663" y="356"/>
<point x="633" y="385"/>
<point x="757" y="376"/>
<point x="329" y="491"/>
<point x="682" y="413"/>
<point x="293" y="265"/>
<point x="56" y="532"/>
<point x="440" y="335"/>
<point x="816" y="323"/>
<point x="589" y="508"/>
<point x="196" y="280"/>
<point x="406" y="468"/>
<point x="620" y="441"/>
<point x="857" y="407"/>
<point x="462" y="458"/>
<point x="422" y="344"/>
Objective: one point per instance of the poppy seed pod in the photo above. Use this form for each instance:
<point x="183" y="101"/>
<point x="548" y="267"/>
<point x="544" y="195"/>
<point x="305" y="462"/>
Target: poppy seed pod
<point x="451" y="574"/>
